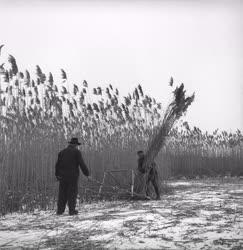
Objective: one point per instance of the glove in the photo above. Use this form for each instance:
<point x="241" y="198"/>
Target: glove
<point x="58" y="178"/>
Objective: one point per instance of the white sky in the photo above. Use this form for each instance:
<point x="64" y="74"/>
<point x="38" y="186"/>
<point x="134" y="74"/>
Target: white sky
<point x="130" y="42"/>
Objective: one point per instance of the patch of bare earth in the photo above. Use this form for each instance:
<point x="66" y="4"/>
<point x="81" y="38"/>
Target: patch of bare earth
<point x="199" y="215"/>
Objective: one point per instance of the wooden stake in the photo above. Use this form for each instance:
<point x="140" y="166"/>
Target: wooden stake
<point x="132" y="187"/>
<point x="103" y="181"/>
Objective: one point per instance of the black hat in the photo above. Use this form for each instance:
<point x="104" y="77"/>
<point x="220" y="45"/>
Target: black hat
<point x="140" y="152"/>
<point x="74" y="140"/>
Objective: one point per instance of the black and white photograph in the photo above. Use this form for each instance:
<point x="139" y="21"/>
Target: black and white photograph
<point x="121" y="124"/>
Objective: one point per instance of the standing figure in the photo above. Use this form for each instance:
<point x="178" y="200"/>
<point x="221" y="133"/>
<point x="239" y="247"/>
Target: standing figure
<point x="152" y="175"/>
<point x="67" y="173"/>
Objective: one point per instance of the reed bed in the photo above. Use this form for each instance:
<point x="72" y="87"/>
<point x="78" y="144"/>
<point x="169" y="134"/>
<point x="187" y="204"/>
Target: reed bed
<point x="39" y="115"/>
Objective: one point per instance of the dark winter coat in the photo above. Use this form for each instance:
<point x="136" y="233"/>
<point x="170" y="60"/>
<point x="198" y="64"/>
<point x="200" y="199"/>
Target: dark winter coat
<point x="68" y="163"/>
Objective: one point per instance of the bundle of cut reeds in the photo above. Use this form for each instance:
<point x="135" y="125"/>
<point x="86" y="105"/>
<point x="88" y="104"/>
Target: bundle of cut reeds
<point x="175" y="110"/>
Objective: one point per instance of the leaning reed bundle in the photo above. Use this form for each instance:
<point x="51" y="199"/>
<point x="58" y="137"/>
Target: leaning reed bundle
<point x="175" y="110"/>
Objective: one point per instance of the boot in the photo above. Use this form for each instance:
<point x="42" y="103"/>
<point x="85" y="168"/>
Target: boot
<point x="75" y="212"/>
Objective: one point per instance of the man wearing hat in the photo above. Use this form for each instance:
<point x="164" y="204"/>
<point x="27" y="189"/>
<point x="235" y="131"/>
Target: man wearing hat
<point x="67" y="173"/>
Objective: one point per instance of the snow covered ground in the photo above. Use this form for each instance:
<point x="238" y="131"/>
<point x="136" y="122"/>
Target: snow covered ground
<point x="199" y="215"/>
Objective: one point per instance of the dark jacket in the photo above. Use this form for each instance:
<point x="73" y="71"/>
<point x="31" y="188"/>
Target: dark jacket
<point x="140" y="165"/>
<point x="68" y="163"/>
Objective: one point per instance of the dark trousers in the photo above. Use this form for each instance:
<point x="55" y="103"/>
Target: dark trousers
<point x="68" y="191"/>
<point x="154" y="179"/>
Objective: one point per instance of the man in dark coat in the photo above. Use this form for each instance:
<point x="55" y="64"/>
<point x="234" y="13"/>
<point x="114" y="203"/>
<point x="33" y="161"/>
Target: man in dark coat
<point x="67" y="173"/>
<point x="152" y="174"/>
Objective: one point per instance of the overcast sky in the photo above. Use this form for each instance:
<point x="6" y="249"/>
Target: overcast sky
<point x="126" y="43"/>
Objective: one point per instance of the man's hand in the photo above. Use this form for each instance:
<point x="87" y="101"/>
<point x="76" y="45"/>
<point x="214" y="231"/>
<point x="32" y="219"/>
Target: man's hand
<point x="89" y="178"/>
<point x="58" y="178"/>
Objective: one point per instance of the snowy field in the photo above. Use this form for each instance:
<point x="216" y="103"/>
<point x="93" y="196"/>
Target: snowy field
<point x="198" y="215"/>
